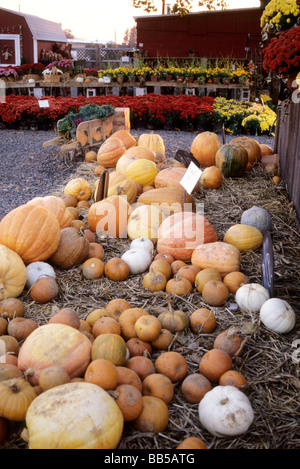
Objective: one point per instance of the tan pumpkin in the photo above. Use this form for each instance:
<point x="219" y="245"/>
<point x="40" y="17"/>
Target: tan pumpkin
<point x="154" y="281"/>
<point x="154" y="416"/>
<point x="72" y="249"/>
<point x="3" y="325"/>
<point x="211" y="178"/>
<point x="204" y="276"/>
<point x="99" y="169"/>
<point x="147" y="327"/>
<point x="204" y="148"/>
<point x="20" y="328"/>
<point x="194" y="387"/>
<point x="79" y="187"/>
<point x="153" y="141"/>
<point x="161" y="265"/>
<point x="174" y="321"/>
<point x="168" y="199"/>
<point x="53" y="376"/>
<point x="8" y="371"/>
<point x="109" y="217"/>
<point x="136" y="346"/>
<point x="31" y="231"/>
<point x="244" y="237"/>
<point x="163" y="340"/>
<point x="110" y="151"/>
<point x="179" y="286"/>
<point x="13" y="274"/>
<point x="189" y="272"/>
<point x="96" y="250"/>
<point x="142" y="152"/>
<point x="11" y="308"/>
<point x="90" y="156"/>
<point x="220" y="256"/>
<point x="69" y="200"/>
<point x="124" y="135"/>
<point x="16" y="395"/>
<point x="125" y="161"/>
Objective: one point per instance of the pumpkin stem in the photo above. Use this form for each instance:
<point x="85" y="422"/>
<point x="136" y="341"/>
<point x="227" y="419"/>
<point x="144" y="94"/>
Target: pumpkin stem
<point x="224" y="401"/>
<point x="14" y="387"/>
<point x="28" y="373"/>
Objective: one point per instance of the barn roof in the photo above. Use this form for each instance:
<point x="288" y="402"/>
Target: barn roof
<point x="43" y="30"/>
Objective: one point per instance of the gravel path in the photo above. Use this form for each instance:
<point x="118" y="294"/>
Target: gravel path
<point x="28" y="170"/>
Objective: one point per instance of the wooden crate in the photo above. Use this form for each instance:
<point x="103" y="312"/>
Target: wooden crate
<point x="121" y="119"/>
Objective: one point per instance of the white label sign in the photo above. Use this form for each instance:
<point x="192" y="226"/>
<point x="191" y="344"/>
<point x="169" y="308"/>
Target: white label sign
<point x="44" y="103"/>
<point x="191" y="177"/>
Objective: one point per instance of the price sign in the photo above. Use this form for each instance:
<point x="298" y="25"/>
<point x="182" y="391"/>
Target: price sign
<point x="191" y="177"/>
<point x="44" y="103"/>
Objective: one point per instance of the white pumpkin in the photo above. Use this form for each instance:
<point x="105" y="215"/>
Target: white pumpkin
<point x="277" y="315"/>
<point x="144" y="222"/>
<point x="225" y="411"/>
<point x="144" y="243"/>
<point x="251" y="296"/>
<point x="257" y="217"/>
<point x="138" y="260"/>
<point x="37" y="270"/>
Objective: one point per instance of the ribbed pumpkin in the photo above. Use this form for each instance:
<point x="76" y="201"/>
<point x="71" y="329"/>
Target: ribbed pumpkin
<point x="119" y="184"/>
<point x="57" y="206"/>
<point x="109" y="217"/>
<point x="79" y="187"/>
<point x="111" y="347"/>
<point x="169" y="199"/>
<point x="244" y="237"/>
<point x="153" y="141"/>
<point x="110" y="151"/>
<point x="31" y="231"/>
<point x="171" y="177"/>
<point x="182" y="232"/>
<point x="54" y="344"/>
<point x="142" y="171"/>
<point x="211" y="178"/>
<point x="144" y="222"/>
<point x="251" y="145"/>
<point x="141" y="152"/>
<point x="73" y="249"/>
<point x="204" y="148"/>
<point x="125" y="136"/>
<point x="13" y="273"/>
<point x="232" y="160"/>
<point x="220" y="256"/>
<point x="125" y="161"/>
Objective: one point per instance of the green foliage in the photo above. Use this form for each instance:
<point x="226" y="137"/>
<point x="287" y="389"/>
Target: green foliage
<point x="180" y="7"/>
<point x="86" y="113"/>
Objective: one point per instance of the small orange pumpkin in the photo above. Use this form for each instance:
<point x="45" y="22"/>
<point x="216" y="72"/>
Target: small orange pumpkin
<point x="203" y="321"/>
<point x="194" y="387"/>
<point x="102" y="372"/>
<point x="158" y="385"/>
<point x="154" y="416"/>
<point x="172" y="364"/>
<point x="129" y="400"/>
<point x="214" y="363"/>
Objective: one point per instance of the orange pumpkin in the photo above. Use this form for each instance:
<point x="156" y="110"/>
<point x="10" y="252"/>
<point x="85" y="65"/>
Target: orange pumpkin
<point x="163" y="340"/>
<point x="137" y="346"/>
<point x="143" y="366"/>
<point x="44" y="290"/>
<point x="127" y="321"/>
<point x="211" y="178"/>
<point x="92" y="268"/>
<point x="233" y="378"/>
<point x="203" y="321"/>
<point x="57" y="206"/>
<point x="116" y="306"/>
<point x="109" y="217"/>
<point x="173" y="365"/>
<point x="234" y="281"/>
<point x="106" y="325"/>
<point x="220" y="256"/>
<point x="174" y="321"/>
<point x="215" y="293"/>
<point x="147" y="327"/>
<point x="66" y="316"/>
<point x="128" y="376"/>
<point x="204" y="148"/>
<point x="192" y="443"/>
<point x="72" y="249"/>
<point x="128" y="140"/>
<point x="230" y="342"/>
<point x="110" y="151"/>
<point x="204" y="276"/>
<point x="160" y="386"/>
<point x="116" y="269"/>
<point x="154" y="416"/>
<point x="194" y="387"/>
<point x="79" y="187"/>
<point x="53" y="376"/>
<point x="214" y="363"/>
<point x="251" y="145"/>
<point x="102" y="372"/>
<point x="16" y="396"/>
<point x="129" y="400"/>
<point x="179" y="286"/>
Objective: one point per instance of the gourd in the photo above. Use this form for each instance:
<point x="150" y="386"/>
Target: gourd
<point x="180" y="233"/>
<point x="142" y="171"/>
<point x="13" y="274"/>
<point x="211" y="178"/>
<point x="57" y="206"/>
<point x="153" y="141"/>
<point x="204" y="148"/>
<point x="225" y="411"/>
<point x="79" y="187"/>
<point x="86" y="418"/>
<point x="277" y="315"/>
<point x="137" y="259"/>
<point x="257" y="217"/>
<point x="147" y="327"/>
<point x="220" y="256"/>
<point x="244" y="237"/>
<point x="251" y="297"/>
<point x="143" y="243"/>
<point x="110" y="152"/>
<point x="109" y="217"/>
<point x="232" y="160"/>
<point x="37" y="270"/>
<point x="144" y="222"/>
<point x="31" y="231"/>
<point x="72" y="249"/>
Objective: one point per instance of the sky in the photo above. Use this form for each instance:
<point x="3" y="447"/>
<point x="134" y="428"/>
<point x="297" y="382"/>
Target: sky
<point x="101" y="20"/>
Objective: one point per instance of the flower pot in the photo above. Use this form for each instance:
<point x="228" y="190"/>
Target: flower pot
<point x="216" y="80"/>
<point x="180" y="79"/>
<point x="169" y="77"/>
<point x="190" y="79"/>
<point x="153" y="78"/>
<point x="226" y="81"/>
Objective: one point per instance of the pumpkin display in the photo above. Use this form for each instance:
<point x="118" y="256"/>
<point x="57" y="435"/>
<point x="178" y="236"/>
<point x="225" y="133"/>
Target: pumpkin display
<point x="110" y="151"/>
<point x="158" y="385"/>
<point x="194" y="387"/>
<point x="234" y="281"/>
<point x="130" y="401"/>
<point x="153" y="141"/>
<point x="16" y="395"/>
<point x="171" y="364"/>
<point x="31" y="231"/>
<point x="277" y="315"/>
<point x="244" y="237"/>
<point x="79" y="187"/>
<point x="138" y="260"/>
<point x="204" y="148"/>
<point x="54" y="344"/>
<point x="221" y="256"/>
<point x="202" y="320"/>
<point x="251" y="297"/>
<point x="57" y="206"/>
<point x="154" y="416"/>
<point x="181" y="233"/>
<point x="109" y="217"/>
<point x="232" y="160"/>
<point x="211" y="178"/>
<point x="144" y="222"/>
<point x="215" y="293"/>
<point x="72" y="249"/>
<point x="251" y="145"/>
<point x="142" y="171"/>
<point x="111" y="347"/>
<point x="257" y="217"/>
<point x="50" y="422"/>
<point x="13" y="274"/>
<point x="225" y="411"/>
<point x="168" y="199"/>
<point x="214" y="363"/>
<point x="44" y="290"/>
<point x="37" y="270"/>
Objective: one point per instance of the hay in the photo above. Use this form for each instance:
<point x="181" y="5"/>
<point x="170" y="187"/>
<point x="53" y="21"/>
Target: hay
<point x="272" y="375"/>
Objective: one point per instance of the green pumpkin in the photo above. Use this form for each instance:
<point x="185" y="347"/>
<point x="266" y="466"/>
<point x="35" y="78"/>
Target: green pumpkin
<point x="232" y="160"/>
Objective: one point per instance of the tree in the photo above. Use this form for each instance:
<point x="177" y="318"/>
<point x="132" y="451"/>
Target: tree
<point x="130" y="37"/>
<point x="69" y="34"/>
<point x="180" y="7"/>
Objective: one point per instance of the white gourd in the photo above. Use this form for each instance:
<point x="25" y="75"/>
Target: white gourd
<point x="251" y="296"/>
<point x="137" y="259"/>
<point x="277" y="315"/>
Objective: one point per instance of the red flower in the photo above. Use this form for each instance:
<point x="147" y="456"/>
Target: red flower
<point x="282" y="54"/>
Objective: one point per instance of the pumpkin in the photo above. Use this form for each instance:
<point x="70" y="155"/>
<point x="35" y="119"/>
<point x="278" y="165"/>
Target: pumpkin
<point x="171" y="177"/>
<point x="125" y="161"/>
<point x="96" y="250"/>
<point x="31" y="231"/>
<point x="9" y="345"/>
<point x="204" y="276"/>
<point x="230" y="342"/>
<point x="161" y="265"/>
<point x="142" y="365"/>
<point x="163" y="340"/>
<point x="174" y="321"/>
<point x="66" y="316"/>
<point x="106" y="325"/>
<point x="93" y="268"/>
<point x="214" y="363"/>
<point x="11" y="308"/>
<point x="194" y="387"/>
<point x="74" y="212"/>
<point x="128" y="140"/>
<point x="192" y="442"/>
<point x="176" y="264"/>
<point x="72" y="249"/>
<point x="142" y="152"/>
<point x="79" y="225"/>
<point x="110" y="151"/>
<point x="204" y="148"/>
<point x="244" y="237"/>
<point x="154" y="281"/>
<point x="127" y="321"/>
<point x="211" y="178"/>
<point x="128" y="376"/>
<point x="233" y="378"/>
<point x="189" y="272"/>
<point x="3" y="326"/>
<point x="79" y="187"/>
<point x="99" y="169"/>
<point x="53" y="376"/>
<point x="158" y="385"/>
<point x="234" y="281"/>
<point x="143" y="243"/>
<point x="20" y="328"/>
<point x="57" y="206"/>
<point x="257" y="217"/>
<point x="144" y="222"/>
<point x="130" y="401"/>
<point x="16" y="395"/>
<point x="44" y="290"/>
<point x="69" y="200"/>
<point x="90" y="156"/>
<point x="111" y="347"/>
<point x="50" y="422"/>
<point x="251" y="145"/>
<point x="265" y="149"/>
<point x="142" y="171"/>
<point x="179" y="286"/>
<point x="232" y="160"/>
<point x="102" y="372"/>
<point x="147" y="327"/>
<point x="171" y="364"/>
<point x="37" y="270"/>
<point x="180" y="233"/>
<point x="202" y="320"/>
<point x="225" y="411"/>
<point x="251" y="297"/>
<point x="137" y="346"/>
<point x="153" y="141"/>
<point x="8" y="371"/>
<point x="215" y="293"/>
<point x="119" y="184"/>
<point x="116" y="269"/>
<point x="13" y="274"/>
<point x="168" y="199"/>
<point x="220" y="256"/>
<point x="277" y="315"/>
<point x="109" y="217"/>
<point x="116" y="306"/>
<point x="54" y="344"/>
<point x="154" y="416"/>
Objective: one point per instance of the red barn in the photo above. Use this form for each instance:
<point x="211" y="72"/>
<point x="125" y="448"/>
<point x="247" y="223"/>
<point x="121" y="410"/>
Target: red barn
<point x="217" y="33"/>
<point x="23" y="35"/>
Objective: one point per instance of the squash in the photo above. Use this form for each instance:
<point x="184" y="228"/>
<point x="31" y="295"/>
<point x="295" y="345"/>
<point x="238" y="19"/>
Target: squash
<point x="31" y="231"/>
<point x="251" y="297"/>
<point x="13" y="274"/>
<point x="153" y="141"/>
<point x="214" y="363"/>
<point x="142" y="152"/>
<point x="119" y="184"/>
<point x="168" y="199"/>
<point x="130" y="401"/>
<point x="251" y="145"/>
<point x="244" y="237"/>
<point x="204" y="148"/>
<point x="232" y="160"/>
<point x="143" y="243"/>
<point x="116" y="269"/>
<point x="180" y="233"/>
<point x="144" y="222"/>
<point x="158" y="385"/>
<point x="257" y="217"/>
<point x="87" y="417"/>
<point x="111" y="347"/>
<point x="154" y="416"/>
<point x="194" y="387"/>
<point x="109" y="217"/>
<point x="125" y="161"/>
<point x="57" y="206"/>
<point x="171" y="364"/>
<point x="110" y="152"/>
<point x="44" y="290"/>
<point x="211" y="178"/>
<point x="138" y="260"/>
<point x="142" y="171"/>
<point x="72" y="249"/>
<point x="16" y="395"/>
<point x="171" y="177"/>
<point x="223" y="257"/>
<point x="277" y="315"/>
<point x="79" y="187"/>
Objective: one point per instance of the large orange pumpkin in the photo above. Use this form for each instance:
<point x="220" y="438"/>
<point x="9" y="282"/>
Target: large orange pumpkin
<point x="31" y="231"/>
<point x="13" y="273"/>
<point x="204" y="148"/>
<point x="220" y="256"/>
<point x="171" y="177"/>
<point x="251" y="145"/>
<point x="110" y="216"/>
<point x="57" y="206"/>
<point x="110" y="151"/>
<point x="73" y="249"/>
<point x="180" y="233"/>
